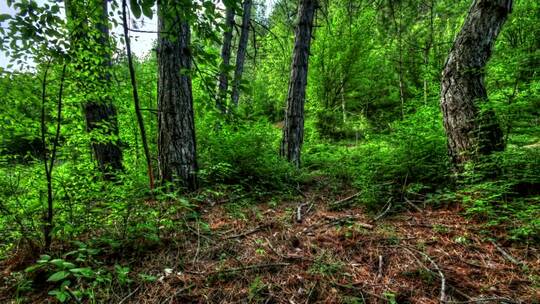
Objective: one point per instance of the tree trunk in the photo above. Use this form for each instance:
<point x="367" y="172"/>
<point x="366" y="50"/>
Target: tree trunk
<point x="241" y="54"/>
<point x="223" y="84"/>
<point x="176" y="139"/>
<point x="293" y="131"/>
<point x="100" y="115"/>
<point x="470" y="131"/>
<point x="133" y="78"/>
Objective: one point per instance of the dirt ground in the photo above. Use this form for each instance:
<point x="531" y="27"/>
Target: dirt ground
<point x="309" y="253"/>
<point x="321" y="250"/>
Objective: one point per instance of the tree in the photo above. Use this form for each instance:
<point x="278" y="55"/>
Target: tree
<point x="136" y="101"/>
<point x="241" y="53"/>
<point x="470" y="129"/>
<point x="176" y="140"/>
<point x="99" y="111"/>
<point x="293" y="130"/>
<point x="223" y="84"/>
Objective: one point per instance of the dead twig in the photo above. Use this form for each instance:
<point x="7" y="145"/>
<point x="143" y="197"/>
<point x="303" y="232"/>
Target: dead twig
<point x="379" y="273"/>
<point x="243" y="234"/>
<point x="413" y="205"/>
<point x="388" y="205"/>
<point x="442" y="297"/>
<point x="335" y="221"/>
<point x="341" y="201"/>
<point x="507" y="255"/>
<point x="129" y="295"/>
<point x="299" y="211"/>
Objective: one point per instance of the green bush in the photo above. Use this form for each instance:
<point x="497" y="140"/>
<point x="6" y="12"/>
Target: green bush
<point x="245" y="153"/>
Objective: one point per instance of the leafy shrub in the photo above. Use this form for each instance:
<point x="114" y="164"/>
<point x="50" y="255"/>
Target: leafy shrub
<point x="245" y="153"/>
<point x="410" y="159"/>
<point x="503" y="190"/>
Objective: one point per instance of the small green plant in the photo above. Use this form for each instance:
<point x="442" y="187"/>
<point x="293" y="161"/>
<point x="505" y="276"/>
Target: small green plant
<point x="256" y="288"/>
<point x="325" y="265"/>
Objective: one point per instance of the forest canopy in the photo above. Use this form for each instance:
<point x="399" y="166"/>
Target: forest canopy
<point x="366" y="146"/>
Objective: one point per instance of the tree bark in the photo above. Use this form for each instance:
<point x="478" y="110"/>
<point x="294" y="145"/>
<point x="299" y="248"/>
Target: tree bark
<point x="293" y="130"/>
<point x="176" y="140"/>
<point x="471" y="131"/>
<point x="100" y="115"/>
<point x="241" y="54"/>
<point x="223" y="84"/>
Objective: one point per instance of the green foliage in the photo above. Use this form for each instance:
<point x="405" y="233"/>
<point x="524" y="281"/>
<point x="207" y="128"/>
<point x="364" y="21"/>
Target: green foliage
<point x="411" y="160"/>
<point x="503" y="191"/>
<point x="242" y="153"/>
<point x="361" y="132"/>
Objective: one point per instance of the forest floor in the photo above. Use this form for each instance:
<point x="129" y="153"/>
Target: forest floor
<point x="309" y="252"/>
<point x="306" y="252"/>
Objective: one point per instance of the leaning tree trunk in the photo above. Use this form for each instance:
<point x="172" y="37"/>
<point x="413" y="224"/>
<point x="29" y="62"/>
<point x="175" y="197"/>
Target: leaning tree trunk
<point x="176" y="139"/>
<point x="470" y="130"/>
<point x="223" y="84"/>
<point x="241" y="53"/>
<point x="293" y="130"/>
<point x="100" y="114"/>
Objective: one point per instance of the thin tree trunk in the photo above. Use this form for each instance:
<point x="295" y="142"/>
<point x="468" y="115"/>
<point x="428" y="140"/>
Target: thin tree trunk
<point x="48" y="160"/>
<point x="400" y="46"/>
<point x="241" y="54"/>
<point x="176" y="141"/>
<point x="427" y="51"/>
<point x="470" y="130"/>
<point x="293" y="130"/>
<point x="100" y="115"/>
<point x="223" y="84"/>
<point x="136" y="102"/>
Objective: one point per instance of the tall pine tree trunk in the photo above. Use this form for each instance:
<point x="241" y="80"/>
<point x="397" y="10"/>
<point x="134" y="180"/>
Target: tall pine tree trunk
<point x="176" y="140"/>
<point x="242" y="49"/>
<point x="293" y="130"/>
<point x="471" y="131"/>
<point x="100" y="113"/>
<point x="223" y="84"/>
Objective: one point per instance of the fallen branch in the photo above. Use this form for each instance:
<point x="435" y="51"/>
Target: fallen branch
<point x="379" y="273"/>
<point x="507" y="255"/>
<point x="341" y="201"/>
<point x="442" y="297"/>
<point x="335" y="221"/>
<point x="299" y="211"/>
<point x="243" y="234"/>
<point x="413" y="205"/>
<point x="389" y="205"/>
<point x="129" y="295"/>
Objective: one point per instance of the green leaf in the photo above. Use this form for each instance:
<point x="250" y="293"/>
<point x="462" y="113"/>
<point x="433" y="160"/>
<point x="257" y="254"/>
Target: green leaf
<point x="4" y="17"/>
<point x="147" y="8"/>
<point x="58" y="276"/>
<point x="86" y="272"/>
<point x="135" y="8"/>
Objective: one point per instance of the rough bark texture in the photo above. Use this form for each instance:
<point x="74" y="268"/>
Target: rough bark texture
<point x="293" y="131"/>
<point x="176" y="141"/>
<point x="223" y="84"/>
<point x="470" y="131"/>
<point x="241" y="54"/>
<point x="99" y="114"/>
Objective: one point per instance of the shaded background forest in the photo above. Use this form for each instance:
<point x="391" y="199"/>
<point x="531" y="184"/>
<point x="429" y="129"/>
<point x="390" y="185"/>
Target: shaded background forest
<point x="372" y="123"/>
